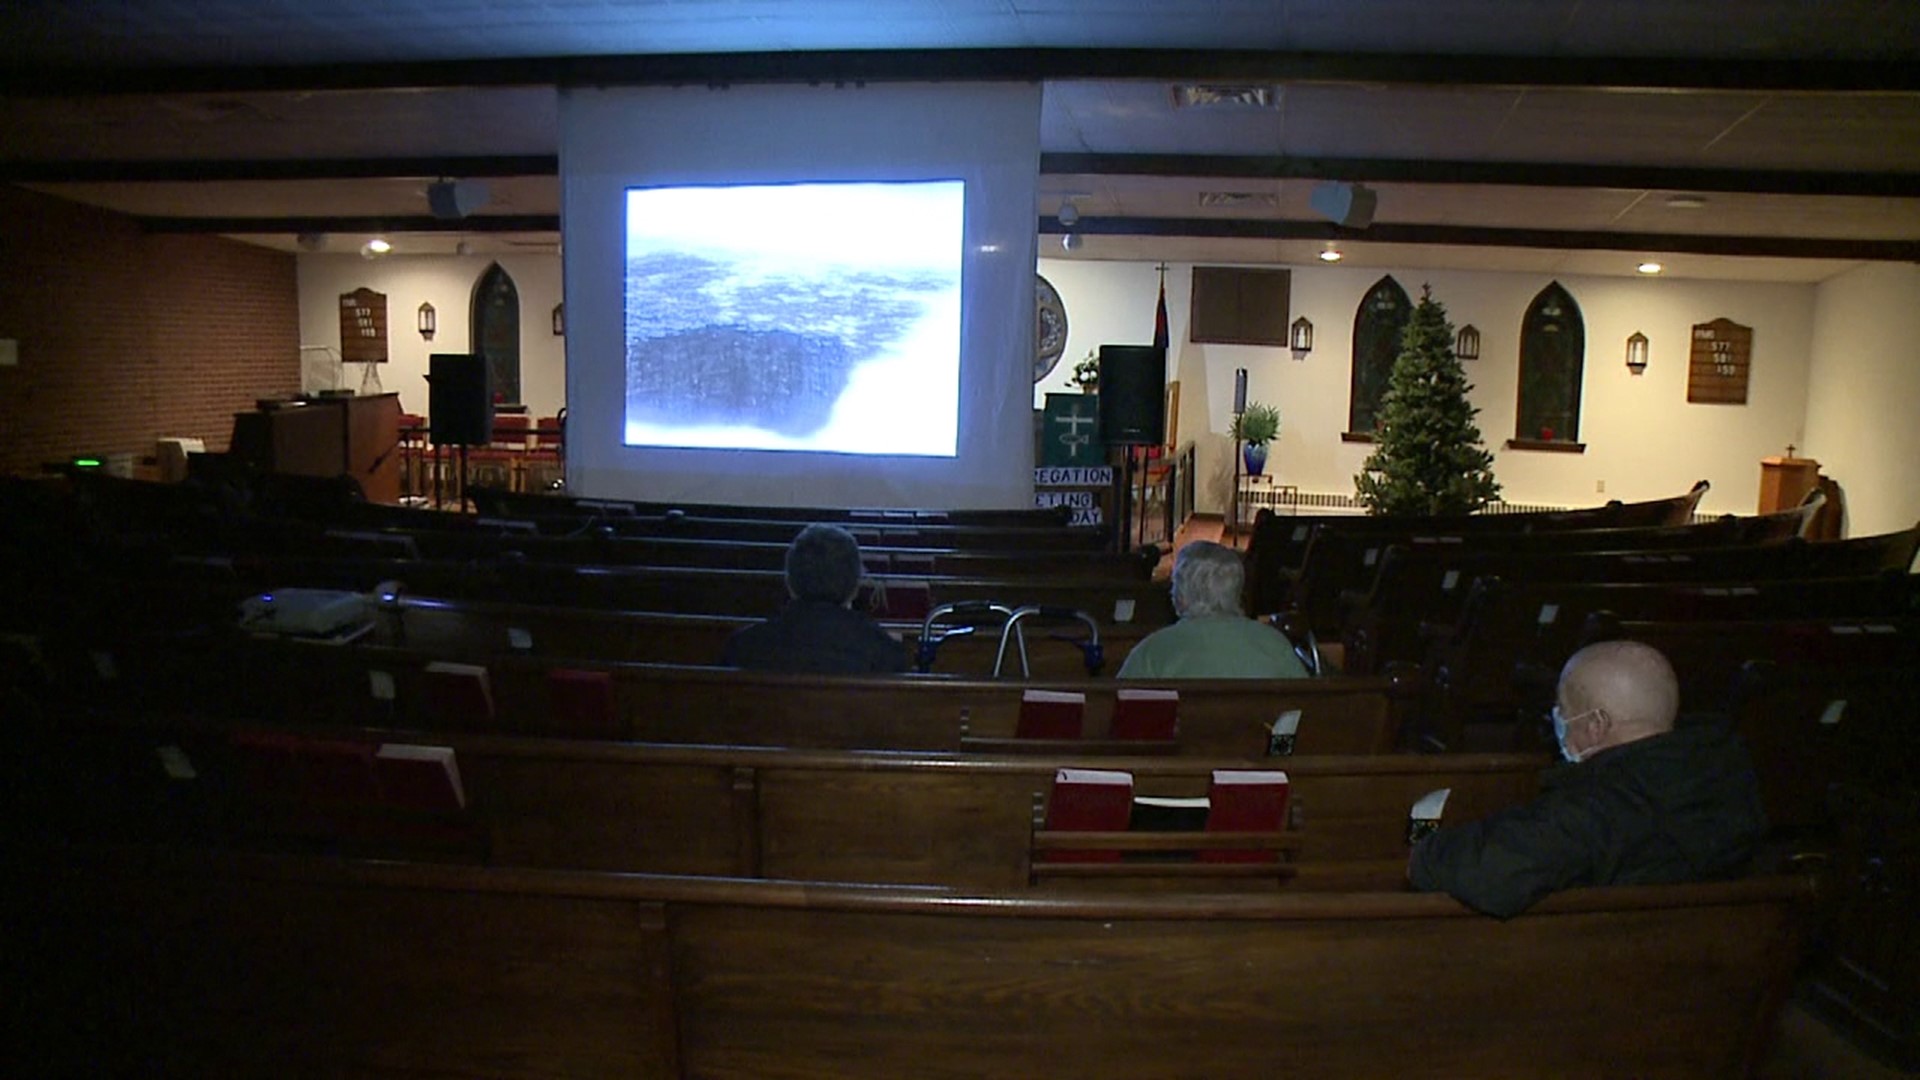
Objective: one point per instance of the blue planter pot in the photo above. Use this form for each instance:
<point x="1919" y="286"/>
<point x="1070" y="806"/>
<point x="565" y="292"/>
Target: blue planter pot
<point x="1255" y="457"/>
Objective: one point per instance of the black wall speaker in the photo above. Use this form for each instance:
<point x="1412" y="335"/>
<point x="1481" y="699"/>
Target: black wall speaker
<point x="1133" y="395"/>
<point x="459" y="400"/>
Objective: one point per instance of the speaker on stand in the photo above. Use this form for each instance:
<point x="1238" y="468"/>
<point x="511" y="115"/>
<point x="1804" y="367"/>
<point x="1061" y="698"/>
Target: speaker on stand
<point x="1133" y="410"/>
<point x="459" y="410"/>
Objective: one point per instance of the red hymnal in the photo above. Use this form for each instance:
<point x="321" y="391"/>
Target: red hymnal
<point x="1089" y="800"/>
<point x="337" y="773"/>
<point x="1245" y="800"/>
<point x="419" y="777"/>
<point x="1145" y="714"/>
<point x="582" y="703"/>
<point x="1051" y="714"/>
<point x="458" y="695"/>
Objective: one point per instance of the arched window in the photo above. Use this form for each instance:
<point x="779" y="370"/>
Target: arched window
<point x="496" y="332"/>
<point x="1553" y="352"/>
<point x="1377" y="326"/>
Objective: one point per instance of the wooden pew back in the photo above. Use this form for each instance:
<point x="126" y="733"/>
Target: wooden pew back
<point x="217" y="965"/>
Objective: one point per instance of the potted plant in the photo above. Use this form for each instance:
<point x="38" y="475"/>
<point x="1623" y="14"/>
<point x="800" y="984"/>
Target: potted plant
<point x="1086" y="373"/>
<point x="1256" y="427"/>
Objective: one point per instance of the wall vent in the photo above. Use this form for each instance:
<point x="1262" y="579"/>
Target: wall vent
<point x="1225" y="96"/>
<point x="1239" y="199"/>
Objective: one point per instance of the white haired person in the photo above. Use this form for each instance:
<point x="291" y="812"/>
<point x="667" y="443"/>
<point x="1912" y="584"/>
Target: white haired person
<point x="1213" y="638"/>
<point x="819" y="632"/>
<point x="1640" y="801"/>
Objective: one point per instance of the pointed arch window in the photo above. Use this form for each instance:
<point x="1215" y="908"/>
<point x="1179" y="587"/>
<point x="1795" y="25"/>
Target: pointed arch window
<point x="496" y="331"/>
<point x="1377" y="327"/>
<point x="1553" y="352"/>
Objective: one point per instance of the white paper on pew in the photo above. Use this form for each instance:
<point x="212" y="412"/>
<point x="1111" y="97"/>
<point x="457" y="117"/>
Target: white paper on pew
<point x="1451" y="579"/>
<point x="1831" y="714"/>
<point x="518" y="639"/>
<point x="1171" y="802"/>
<point x="1123" y="609"/>
<point x="176" y="763"/>
<point x="1299" y="533"/>
<point x="380" y="683"/>
<point x="1280" y="738"/>
<point x="104" y="666"/>
<point x="1548" y="613"/>
<point x="1373" y="556"/>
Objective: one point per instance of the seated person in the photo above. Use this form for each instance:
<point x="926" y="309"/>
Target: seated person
<point x="819" y="632"/>
<point x="1212" y="639"/>
<point x="1640" y="804"/>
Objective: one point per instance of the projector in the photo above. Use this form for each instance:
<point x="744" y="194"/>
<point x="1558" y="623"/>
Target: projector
<point x="305" y="612"/>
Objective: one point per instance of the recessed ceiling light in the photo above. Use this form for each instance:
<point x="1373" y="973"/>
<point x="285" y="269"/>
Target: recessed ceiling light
<point x="1650" y="267"/>
<point x="1686" y="202"/>
<point x="1331" y="255"/>
<point x="376" y="247"/>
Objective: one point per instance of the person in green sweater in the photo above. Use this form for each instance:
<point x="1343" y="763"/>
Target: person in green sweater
<point x="1213" y="638"/>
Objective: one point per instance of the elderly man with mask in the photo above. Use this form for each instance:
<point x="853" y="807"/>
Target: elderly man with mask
<point x="819" y="632"/>
<point x="1639" y="802"/>
<point x="1213" y="639"/>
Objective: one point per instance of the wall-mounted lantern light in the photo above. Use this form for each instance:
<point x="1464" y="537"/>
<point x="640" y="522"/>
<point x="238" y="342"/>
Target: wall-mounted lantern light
<point x="1466" y="345"/>
<point x="428" y="322"/>
<point x="1301" y="338"/>
<point x="559" y="320"/>
<point x="1637" y="352"/>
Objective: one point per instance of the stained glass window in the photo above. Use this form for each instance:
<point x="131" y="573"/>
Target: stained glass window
<point x="1553" y="352"/>
<point x="1377" y="326"/>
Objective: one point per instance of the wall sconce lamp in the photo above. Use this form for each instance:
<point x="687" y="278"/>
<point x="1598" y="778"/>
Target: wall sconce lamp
<point x="1301" y="338"/>
<point x="1637" y="352"/>
<point x="1466" y="346"/>
<point x="428" y="322"/>
<point x="559" y="320"/>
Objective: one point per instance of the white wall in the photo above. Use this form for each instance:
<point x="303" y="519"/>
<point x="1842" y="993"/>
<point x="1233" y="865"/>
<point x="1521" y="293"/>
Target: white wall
<point x="1643" y="439"/>
<point x="446" y="282"/>
<point x="1864" y="386"/>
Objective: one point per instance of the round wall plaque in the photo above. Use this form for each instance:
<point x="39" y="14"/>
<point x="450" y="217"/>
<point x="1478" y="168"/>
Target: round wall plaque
<point x="1049" y="328"/>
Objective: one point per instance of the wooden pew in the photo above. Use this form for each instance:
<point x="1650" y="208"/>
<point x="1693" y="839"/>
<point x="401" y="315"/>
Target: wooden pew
<point x="1428" y="585"/>
<point x="209" y="964"/>
<point x="499" y="502"/>
<point x="960" y="820"/>
<point x="317" y="683"/>
<point x="684" y="589"/>
<point x="1343" y="562"/>
<point x="1513" y="625"/>
<point x="1279" y="544"/>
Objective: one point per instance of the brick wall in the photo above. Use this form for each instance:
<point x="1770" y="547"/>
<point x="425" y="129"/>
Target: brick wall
<point x="126" y="338"/>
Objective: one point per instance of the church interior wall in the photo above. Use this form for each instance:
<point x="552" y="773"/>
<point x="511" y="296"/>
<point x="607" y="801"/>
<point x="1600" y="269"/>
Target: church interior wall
<point x="1863" y="385"/>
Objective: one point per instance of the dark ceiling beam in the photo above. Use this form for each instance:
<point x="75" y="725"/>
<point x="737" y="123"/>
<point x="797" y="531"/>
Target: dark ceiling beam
<point x="1786" y="247"/>
<point x="1520" y="173"/>
<point x="944" y="65"/>
<point x="397" y="223"/>
<point x="87" y="172"/>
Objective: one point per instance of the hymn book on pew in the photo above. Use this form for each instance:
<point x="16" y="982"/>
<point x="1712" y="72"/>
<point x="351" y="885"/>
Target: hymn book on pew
<point x="1246" y="800"/>
<point x="1089" y="800"/>
<point x="1145" y="714"/>
<point x="1051" y="714"/>
<point x="416" y="777"/>
<point x="458" y="693"/>
<point x="1424" y="819"/>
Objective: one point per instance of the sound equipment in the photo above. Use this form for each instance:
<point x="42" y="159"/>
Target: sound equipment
<point x="452" y="199"/>
<point x="459" y="400"/>
<point x="1133" y="395"/>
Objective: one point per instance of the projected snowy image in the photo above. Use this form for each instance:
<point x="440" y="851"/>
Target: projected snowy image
<point x="795" y="317"/>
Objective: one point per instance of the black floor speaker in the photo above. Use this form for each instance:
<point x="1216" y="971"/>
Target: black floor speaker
<point x="459" y="400"/>
<point x="1133" y="395"/>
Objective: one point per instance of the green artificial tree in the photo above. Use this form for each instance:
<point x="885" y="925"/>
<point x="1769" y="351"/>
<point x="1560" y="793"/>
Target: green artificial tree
<point x="1427" y="456"/>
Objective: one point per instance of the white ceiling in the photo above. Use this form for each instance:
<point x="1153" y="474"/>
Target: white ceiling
<point x="214" y="56"/>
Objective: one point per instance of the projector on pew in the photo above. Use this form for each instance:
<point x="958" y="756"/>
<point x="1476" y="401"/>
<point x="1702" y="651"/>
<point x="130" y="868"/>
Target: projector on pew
<point x="316" y="613"/>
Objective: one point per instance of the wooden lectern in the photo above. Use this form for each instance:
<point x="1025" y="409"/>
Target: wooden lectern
<point x="1786" y="481"/>
<point x="336" y="436"/>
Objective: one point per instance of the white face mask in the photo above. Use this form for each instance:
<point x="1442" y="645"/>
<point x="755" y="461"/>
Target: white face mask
<point x="1560" y="735"/>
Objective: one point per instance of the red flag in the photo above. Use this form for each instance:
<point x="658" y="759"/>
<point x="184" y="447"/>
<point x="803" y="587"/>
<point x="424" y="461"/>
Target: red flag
<point x="1160" y="334"/>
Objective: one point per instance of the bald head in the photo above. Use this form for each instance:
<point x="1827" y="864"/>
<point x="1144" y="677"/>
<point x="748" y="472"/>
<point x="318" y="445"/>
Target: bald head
<point x="1615" y="692"/>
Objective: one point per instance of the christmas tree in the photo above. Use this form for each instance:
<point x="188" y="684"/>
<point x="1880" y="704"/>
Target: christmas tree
<point x="1427" y="456"/>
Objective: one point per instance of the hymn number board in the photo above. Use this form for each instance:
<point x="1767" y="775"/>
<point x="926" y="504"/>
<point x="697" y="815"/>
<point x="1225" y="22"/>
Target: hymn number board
<point x="363" y="327"/>
<point x="1721" y="359"/>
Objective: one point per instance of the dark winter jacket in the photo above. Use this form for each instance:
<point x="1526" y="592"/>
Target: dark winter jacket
<point x="816" y="637"/>
<point x="1683" y="806"/>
